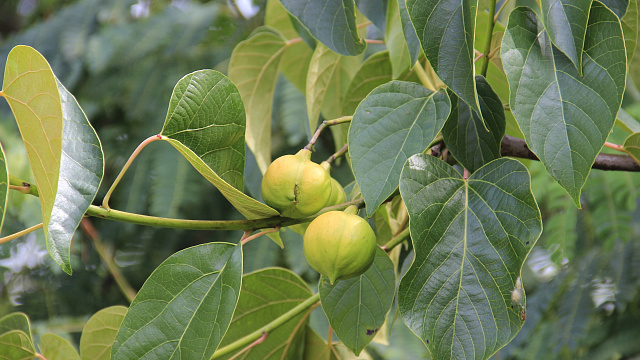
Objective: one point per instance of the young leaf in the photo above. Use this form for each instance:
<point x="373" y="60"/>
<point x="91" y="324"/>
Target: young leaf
<point x="464" y="133"/>
<point x="4" y="185"/>
<point x="32" y="93"/>
<point x="206" y="123"/>
<point x="446" y="29"/>
<point x="16" y="345"/>
<point x="395" y="121"/>
<point x="81" y="170"/>
<point x="184" y="308"/>
<point x="99" y="333"/>
<point x="15" y="321"/>
<point x="566" y="24"/>
<point x="565" y="117"/>
<point x="254" y="68"/>
<point x="357" y="307"/>
<point x="267" y="294"/>
<point x="53" y="347"/>
<point x="471" y="238"/>
<point x="332" y="22"/>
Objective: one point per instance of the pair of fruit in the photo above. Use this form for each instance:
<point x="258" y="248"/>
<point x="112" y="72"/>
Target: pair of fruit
<point x="337" y="244"/>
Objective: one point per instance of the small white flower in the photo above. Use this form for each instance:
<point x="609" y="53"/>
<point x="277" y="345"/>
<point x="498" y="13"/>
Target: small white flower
<point x="25" y="255"/>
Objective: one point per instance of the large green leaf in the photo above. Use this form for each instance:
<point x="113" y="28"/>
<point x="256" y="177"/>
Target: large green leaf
<point x="99" y="333"/>
<point x="446" y="30"/>
<point x="4" y="185"/>
<point x="395" y="41"/>
<point x="464" y="133"/>
<point x="254" y="68"/>
<point x="357" y="307"/>
<point x="32" y="93"/>
<point x="374" y="71"/>
<point x="206" y="123"/>
<point x="332" y="22"/>
<point x="267" y="294"/>
<point x="15" y="321"/>
<point x="81" y="170"/>
<point x="328" y="79"/>
<point x="16" y="345"/>
<point x="565" y="117"/>
<point x="184" y="308"/>
<point x="53" y="347"/>
<point x="395" y="121"/>
<point x="471" y="238"/>
<point x="566" y="25"/>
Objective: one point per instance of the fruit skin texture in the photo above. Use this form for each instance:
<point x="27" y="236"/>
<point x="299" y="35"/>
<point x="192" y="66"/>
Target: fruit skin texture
<point x="339" y="245"/>
<point x="296" y="186"/>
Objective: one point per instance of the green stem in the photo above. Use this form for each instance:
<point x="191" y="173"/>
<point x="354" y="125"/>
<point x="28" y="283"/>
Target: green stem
<point x="422" y="75"/>
<point x="324" y="124"/>
<point x="281" y="320"/>
<point x="396" y="240"/>
<point x="105" y="201"/>
<point x="338" y="153"/>
<point x="20" y="233"/>
<point x="488" y="35"/>
<point x="23" y="186"/>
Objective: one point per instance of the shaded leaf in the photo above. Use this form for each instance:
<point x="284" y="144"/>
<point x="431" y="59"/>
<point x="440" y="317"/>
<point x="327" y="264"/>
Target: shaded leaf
<point x="374" y="71"/>
<point x="53" y="347"/>
<point x="446" y="30"/>
<point x="464" y="133"/>
<point x="395" y="41"/>
<point x="565" y="117"/>
<point x="471" y="238"/>
<point x="566" y="25"/>
<point x="357" y="307"/>
<point x="632" y="146"/>
<point x="374" y="10"/>
<point x="315" y="348"/>
<point x="630" y="29"/>
<point x="332" y="22"/>
<point x="395" y="121"/>
<point x="16" y="345"/>
<point x="184" y="308"/>
<point x="267" y="294"/>
<point x="4" y="185"/>
<point x="619" y="7"/>
<point x="205" y="122"/>
<point x="254" y="68"/>
<point x="81" y="170"/>
<point x="99" y="333"/>
<point x="413" y="43"/>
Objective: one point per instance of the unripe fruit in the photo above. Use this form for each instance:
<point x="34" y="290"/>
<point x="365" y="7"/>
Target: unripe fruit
<point x="339" y="245"/>
<point x="338" y="196"/>
<point x="296" y="186"/>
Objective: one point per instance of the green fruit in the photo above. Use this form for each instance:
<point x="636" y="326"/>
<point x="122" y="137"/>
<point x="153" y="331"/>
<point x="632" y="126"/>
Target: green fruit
<point x="339" y="245"/>
<point x="296" y="186"/>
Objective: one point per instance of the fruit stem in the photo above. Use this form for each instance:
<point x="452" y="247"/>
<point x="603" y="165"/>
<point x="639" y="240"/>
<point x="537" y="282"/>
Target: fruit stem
<point x="20" y="233"/>
<point x="105" y="201"/>
<point x="279" y="321"/>
<point x="488" y="35"/>
<point x="338" y="153"/>
<point x="314" y="138"/>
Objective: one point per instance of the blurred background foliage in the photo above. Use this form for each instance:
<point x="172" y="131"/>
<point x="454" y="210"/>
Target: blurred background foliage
<point x="121" y="59"/>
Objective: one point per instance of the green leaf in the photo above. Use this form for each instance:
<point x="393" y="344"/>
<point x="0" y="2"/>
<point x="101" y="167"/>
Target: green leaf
<point x="16" y="345"/>
<point x="619" y="7"/>
<point x="328" y="80"/>
<point x="395" y="41"/>
<point x="627" y="122"/>
<point x="315" y="348"/>
<point x="4" y="185"/>
<point x="267" y="294"/>
<point x="332" y="22"/>
<point x="184" y="308"/>
<point x="566" y="25"/>
<point x="565" y="117"/>
<point x="395" y="121"/>
<point x="374" y="10"/>
<point x="471" y="238"/>
<point x="205" y="122"/>
<point x="357" y="307"/>
<point x="446" y="30"/>
<point x="374" y="71"/>
<point x="254" y="68"/>
<point x="15" y="321"/>
<point x="99" y="333"/>
<point x="632" y="146"/>
<point x="81" y="170"/>
<point x="464" y="133"/>
<point x="410" y="36"/>
<point x="32" y="93"/>
<point x="630" y="29"/>
<point x="53" y="347"/>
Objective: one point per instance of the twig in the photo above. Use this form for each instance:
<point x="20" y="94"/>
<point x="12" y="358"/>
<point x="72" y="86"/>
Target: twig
<point x="373" y="41"/>
<point x="20" y="233"/>
<point x="396" y="240"/>
<point x="338" y="153"/>
<point x="324" y="124"/>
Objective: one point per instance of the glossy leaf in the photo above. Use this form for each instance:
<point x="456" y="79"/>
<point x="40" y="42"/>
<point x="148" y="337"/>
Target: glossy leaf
<point x="81" y="170"/>
<point x="470" y="239"/>
<point x="32" y="93"/>
<point x="184" y="308"/>
<point x="99" y="333"/>
<point x="4" y="185"/>
<point x="267" y="294"/>
<point x="357" y="307"/>
<point x="565" y="117"/>
<point x="16" y="345"/>
<point x="632" y="146"/>
<point x="566" y="25"/>
<point x="254" y="68"/>
<point x="328" y="80"/>
<point x="53" y="347"/>
<point x="206" y="123"/>
<point x="332" y="22"/>
<point x="395" y="121"/>
<point x="15" y="321"/>
<point x="465" y="135"/>
<point x="446" y="30"/>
